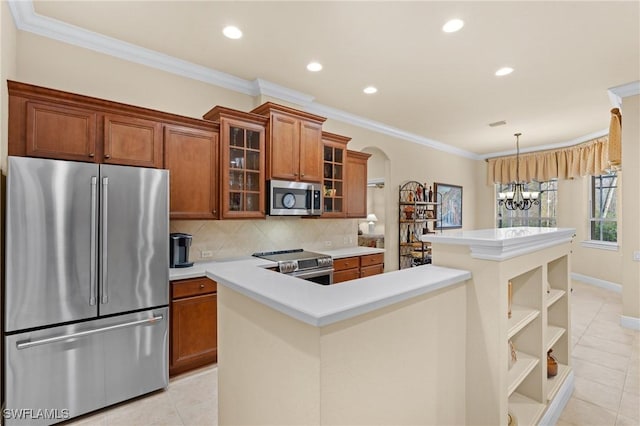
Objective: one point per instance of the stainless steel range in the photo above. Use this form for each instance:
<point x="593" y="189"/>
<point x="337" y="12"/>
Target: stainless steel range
<point x="303" y="264"/>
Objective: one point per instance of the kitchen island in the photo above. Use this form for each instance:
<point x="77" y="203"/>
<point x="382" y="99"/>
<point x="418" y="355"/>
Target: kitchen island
<point x="518" y="309"/>
<point x="385" y="349"/>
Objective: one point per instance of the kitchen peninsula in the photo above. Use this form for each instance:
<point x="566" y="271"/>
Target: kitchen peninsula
<point x="424" y="345"/>
<point x="383" y="349"/>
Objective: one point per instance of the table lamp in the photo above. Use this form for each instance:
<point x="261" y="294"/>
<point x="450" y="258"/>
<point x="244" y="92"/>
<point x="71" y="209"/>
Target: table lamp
<point x="372" y="219"/>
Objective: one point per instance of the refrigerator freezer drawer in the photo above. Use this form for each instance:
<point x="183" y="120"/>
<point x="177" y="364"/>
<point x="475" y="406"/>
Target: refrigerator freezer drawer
<point x="62" y="372"/>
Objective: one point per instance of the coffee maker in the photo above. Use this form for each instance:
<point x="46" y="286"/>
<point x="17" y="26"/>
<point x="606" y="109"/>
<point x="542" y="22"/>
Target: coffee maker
<point x="179" y="244"/>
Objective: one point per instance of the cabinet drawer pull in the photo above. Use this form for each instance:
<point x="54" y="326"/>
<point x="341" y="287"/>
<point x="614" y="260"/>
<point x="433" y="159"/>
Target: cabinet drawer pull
<point x="107" y="156"/>
<point x="201" y="285"/>
<point x="91" y="155"/>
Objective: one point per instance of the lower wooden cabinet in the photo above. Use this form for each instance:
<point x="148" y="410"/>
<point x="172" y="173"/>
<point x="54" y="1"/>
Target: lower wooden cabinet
<point x="193" y="340"/>
<point x="350" y="268"/>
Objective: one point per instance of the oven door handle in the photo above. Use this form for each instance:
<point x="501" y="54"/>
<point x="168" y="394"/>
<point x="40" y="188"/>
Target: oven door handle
<point x="312" y="273"/>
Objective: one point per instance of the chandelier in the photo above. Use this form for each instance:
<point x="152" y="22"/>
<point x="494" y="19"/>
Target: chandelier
<point x="516" y="198"/>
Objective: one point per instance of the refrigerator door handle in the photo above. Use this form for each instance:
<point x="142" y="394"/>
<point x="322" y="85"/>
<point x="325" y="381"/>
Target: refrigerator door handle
<point x="104" y="298"/>
<point x="29" y="344"/>
<point x="94" y="216"/>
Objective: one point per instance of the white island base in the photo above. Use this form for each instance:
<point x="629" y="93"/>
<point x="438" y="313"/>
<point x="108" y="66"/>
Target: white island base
<point x="397" y="358"/>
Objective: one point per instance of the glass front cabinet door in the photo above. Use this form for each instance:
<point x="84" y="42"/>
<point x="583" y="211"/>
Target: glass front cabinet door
<point x="334" y="155"/>
<point x="242" y="155"/>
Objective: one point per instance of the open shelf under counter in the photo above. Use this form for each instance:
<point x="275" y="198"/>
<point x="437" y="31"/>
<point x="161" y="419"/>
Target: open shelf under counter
<point x="520" y="317"/>
<point x="554" y="383"/>
<point x="553" y="296"/>
<point x="520" y="370"/>
<point x="526" y="410"/>
<point x="553" y="334"/>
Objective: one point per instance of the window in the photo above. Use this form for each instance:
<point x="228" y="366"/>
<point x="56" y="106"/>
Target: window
<point x="543" y="214"/>
<point x="604" y="218"/>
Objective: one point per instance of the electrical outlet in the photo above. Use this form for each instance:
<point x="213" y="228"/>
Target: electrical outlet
<point x="636" y="256"/>
<point x="206" y="253"/>
<point x="327" y="243"/>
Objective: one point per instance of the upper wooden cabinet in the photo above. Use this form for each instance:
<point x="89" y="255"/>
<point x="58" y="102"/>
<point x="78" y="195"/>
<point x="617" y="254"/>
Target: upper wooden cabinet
<point x="56" y="131"/>
<point x="334" y="173"/>
<point x="357" y="183"/>
<point x="191" y="155"/>
<point x="131" y="140"/>
<point x="294" y="143"/>
<point x="55" y="124"/>
<point x="242" y="163"/>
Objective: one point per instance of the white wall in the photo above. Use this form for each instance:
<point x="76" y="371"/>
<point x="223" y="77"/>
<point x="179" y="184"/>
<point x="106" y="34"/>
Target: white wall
<point x="57" y="65"/>
<point x="7" y="70"/>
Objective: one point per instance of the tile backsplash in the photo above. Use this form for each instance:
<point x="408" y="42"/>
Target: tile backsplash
<point x="233" y="238"/>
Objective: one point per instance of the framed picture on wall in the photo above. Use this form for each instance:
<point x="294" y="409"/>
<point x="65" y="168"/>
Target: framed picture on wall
<point x="449" y="199"/>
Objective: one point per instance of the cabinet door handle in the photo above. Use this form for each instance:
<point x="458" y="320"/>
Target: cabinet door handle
<point x="107" y="156"/>
<point x="91" y="155"/>
<point x="302" y="174"/>
<point x="201" y="285"/>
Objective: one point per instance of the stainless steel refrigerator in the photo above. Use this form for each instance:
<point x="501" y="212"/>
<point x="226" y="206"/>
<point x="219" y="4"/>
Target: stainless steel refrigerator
<point x="86" y="287"/>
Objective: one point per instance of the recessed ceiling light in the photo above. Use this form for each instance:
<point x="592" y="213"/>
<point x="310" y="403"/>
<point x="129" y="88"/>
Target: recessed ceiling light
<point x="314" y="66"/>
<point x="370" y="90"/>
<point x="504" y="71"/>
<point x="453" y="25"/>
<point x="232" y="32"/>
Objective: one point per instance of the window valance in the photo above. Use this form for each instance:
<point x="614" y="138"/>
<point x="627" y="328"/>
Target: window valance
<point x="589" y="158"/>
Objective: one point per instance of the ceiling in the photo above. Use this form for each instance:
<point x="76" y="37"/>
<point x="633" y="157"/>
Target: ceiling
<point x="433" y="85"/>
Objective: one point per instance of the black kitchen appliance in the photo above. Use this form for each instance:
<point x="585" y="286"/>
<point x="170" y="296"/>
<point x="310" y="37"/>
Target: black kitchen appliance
<point x="179" y="244"/>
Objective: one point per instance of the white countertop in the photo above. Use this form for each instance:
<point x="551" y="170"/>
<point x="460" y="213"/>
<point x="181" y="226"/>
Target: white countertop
<point x="320" y="305"/>
<point x="504" y="243"/>
<point x="350" y="251"/>
<point x="199" y="269"/>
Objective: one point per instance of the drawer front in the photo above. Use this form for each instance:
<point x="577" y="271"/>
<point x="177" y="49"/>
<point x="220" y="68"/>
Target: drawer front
<point x="192" y="287"/>
<point x="372" y="259"/>
<point x="346" y="263"/>
<point x="367" y="271"/>
<point x="347" y="275"/>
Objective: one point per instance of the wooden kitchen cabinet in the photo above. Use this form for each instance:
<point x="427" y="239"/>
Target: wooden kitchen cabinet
<point x="132" y="141"/>
<point x="371" y="264"/>
<point x="294" y="143"/>
<point x="345" y="269"/>
<point x="350" y="268"/>
<point x="50" y="123"/>
<point x="334" y="171"/>
<point x="193" y="339"/>
<point x="356" y="179"/>
<point x="191" y="155"/>
<point x="60" y="131"/>
<point x="242" y="163"/>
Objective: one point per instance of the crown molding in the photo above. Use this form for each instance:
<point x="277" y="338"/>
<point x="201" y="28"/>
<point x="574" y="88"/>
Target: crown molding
<point x="572" y="142"/>
<point x="266" y="88"/>
<point x="625" y="90"/>
<point x="26" y="19"/>
<point x="376" y="126"/>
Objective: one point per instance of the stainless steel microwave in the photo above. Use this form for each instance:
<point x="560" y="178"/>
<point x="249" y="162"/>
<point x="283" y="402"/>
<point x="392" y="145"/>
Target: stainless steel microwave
<point x="294" y="198"/>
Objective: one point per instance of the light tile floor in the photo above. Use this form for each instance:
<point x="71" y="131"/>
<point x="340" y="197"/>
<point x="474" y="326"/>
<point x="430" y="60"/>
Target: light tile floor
<point x="606" y="362"/>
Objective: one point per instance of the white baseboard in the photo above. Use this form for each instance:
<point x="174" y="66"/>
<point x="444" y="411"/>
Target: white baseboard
<point x="625" y="321"/>
<point x="558" y="403"/>
<point x="597" y="282"/>
<point x="630" y="322"/>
